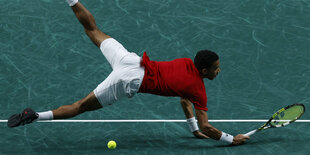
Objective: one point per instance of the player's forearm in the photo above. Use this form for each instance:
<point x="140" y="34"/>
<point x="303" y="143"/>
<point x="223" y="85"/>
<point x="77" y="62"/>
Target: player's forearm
<point x="205" y="127"/>
<point x="211" y="132"/>
<point x="84" y="16"/>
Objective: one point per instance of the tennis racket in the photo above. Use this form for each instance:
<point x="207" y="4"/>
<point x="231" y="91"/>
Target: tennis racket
<point x="282" y="117"/>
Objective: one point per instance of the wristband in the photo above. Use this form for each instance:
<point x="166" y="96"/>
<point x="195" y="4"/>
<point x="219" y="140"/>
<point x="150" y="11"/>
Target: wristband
<point x="72" y="2"/>
<point x="192" y="124"/>
<point x="227" y="138"/>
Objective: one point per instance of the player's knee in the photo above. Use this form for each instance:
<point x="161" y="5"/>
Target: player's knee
<point x="78" y="106"/>
<point x="83" y="106"/>
<point x="88" y="103"/>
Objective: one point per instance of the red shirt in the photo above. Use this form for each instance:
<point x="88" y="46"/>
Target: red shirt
<point x="178" y="77"/>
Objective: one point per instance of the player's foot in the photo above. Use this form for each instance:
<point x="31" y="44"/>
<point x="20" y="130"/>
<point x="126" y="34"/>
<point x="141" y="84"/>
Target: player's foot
<point x="26" y="117"/>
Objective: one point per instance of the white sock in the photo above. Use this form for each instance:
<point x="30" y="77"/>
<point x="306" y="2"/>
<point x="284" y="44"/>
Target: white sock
<point x="47" y="115"/>
<point x="72" y="2"/>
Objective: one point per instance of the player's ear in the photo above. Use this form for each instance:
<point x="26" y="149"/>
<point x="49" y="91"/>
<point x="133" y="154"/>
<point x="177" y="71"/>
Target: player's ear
<point x="204" y="71"/>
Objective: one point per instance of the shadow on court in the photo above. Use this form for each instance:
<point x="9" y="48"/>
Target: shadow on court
<point x="92" y="139"/>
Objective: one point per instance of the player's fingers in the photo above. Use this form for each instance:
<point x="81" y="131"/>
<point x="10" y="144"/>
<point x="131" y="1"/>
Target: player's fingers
<point x="247" y="137"/>
<point x="205" y="137"/>
<point x="241" y="142"/>
<point x="202" y="136"/>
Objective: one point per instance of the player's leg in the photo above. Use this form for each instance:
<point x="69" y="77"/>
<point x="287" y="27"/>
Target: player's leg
<point x="88" y="103"/>
<point x="111" y="49"/>
<point x="89" y="24"/>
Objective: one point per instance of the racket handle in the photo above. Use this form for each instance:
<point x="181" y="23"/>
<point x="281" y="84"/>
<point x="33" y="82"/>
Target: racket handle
<point x="250" y="133"/>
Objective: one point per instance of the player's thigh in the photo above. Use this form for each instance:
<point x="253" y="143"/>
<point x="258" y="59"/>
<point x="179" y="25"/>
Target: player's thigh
<point x="110" y="90"/>
<point x="114" y="52"/>
<point x="89" y="103"/>
<point x="131" y="60"/>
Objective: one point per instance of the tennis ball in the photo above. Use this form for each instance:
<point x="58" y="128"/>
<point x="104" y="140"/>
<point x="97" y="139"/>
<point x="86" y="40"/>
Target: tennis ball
<point x="112" y="144"/>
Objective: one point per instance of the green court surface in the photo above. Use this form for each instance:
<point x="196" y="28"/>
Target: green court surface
<point x="146" y="138"/>
<point x="47" y="61"/>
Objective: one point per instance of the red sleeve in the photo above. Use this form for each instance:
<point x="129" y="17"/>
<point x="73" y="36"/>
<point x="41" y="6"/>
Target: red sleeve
<point x="201" y="108"/>
<point x="200" y="105"/>
<point x="199" y="99"/>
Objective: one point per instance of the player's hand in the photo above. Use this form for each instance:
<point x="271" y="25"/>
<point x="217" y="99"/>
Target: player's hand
<point x="200" y="135"/>
<point x="240" y="139"/>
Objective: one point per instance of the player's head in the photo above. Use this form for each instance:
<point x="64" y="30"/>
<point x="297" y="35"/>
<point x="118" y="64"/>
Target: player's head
<point x="207" y="63"/>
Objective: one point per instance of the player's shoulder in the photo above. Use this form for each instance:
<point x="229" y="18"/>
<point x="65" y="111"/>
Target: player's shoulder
<point x="187" y="60"/>
<point x="184" y="62"/>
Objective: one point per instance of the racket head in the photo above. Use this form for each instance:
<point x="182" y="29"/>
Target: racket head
<point x="286" y="115"/>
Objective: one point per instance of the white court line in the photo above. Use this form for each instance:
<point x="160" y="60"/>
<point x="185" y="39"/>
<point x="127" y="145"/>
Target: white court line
<point x="156" y="121"/>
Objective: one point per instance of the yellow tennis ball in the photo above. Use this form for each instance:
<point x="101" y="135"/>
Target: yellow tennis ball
<point x="112" y="144"/>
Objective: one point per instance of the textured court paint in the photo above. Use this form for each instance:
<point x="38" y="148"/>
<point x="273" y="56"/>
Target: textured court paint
<point x="46" y="61"/>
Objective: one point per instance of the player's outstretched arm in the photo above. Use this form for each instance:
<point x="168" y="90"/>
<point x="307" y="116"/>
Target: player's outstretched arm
<point x="214" y="133"/>
<point x="191" y="121"/>
<point x="88" y="22"/>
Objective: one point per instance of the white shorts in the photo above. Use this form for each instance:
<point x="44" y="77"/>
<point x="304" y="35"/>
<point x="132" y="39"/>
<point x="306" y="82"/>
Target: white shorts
<point x="126" y="77"/>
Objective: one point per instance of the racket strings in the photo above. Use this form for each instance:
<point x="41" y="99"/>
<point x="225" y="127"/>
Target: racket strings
<point x="286" y="116"/>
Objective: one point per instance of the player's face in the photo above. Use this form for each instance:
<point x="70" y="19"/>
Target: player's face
<point x="213" y="71"/>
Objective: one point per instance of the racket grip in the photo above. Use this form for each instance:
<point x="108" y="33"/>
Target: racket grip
<point x="250" y="133"/>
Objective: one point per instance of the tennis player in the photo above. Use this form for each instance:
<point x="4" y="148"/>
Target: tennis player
<point x="133" y="74"/>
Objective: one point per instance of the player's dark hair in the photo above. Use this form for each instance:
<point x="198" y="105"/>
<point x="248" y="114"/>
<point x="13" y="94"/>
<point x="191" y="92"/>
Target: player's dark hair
<point x="205" y="59"/>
